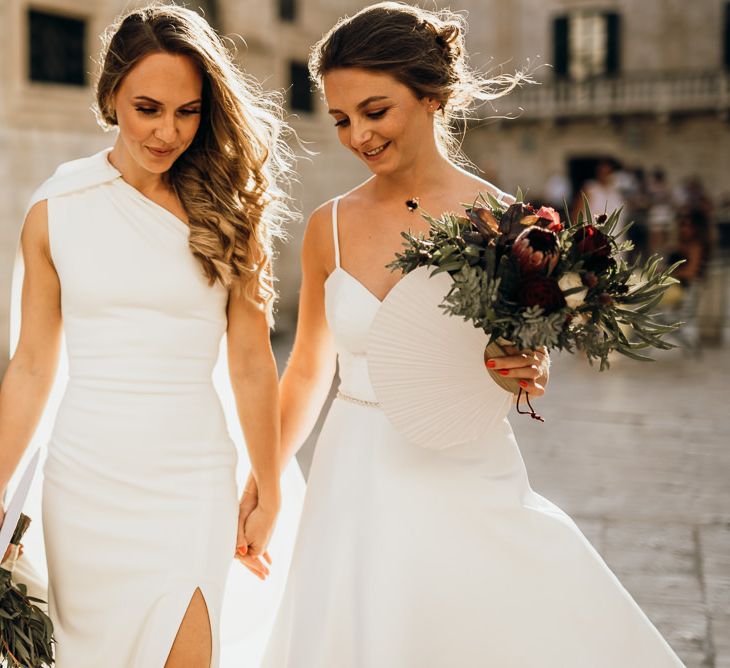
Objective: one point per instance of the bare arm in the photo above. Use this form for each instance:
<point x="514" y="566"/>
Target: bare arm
<point x="29" y="377"/>
<point x="311" y="368"/>
<point x="255" y="386"/>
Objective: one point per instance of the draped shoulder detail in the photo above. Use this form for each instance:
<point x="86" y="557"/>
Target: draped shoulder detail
<point x="75" y="176"/>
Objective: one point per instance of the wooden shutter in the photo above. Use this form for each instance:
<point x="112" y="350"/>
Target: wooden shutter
<point x="727" y="35"/>
<point x="613" y="43"/>
<point x="560" y="45"/>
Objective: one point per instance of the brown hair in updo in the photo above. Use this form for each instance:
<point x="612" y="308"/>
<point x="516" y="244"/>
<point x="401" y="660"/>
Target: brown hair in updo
<point x="421" y="49"/>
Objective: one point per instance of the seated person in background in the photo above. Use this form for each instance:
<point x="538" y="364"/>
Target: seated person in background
<point x="693" y="246"/>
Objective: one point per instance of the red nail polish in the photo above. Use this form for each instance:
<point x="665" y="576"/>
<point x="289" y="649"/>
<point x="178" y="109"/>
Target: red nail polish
<point x="503" y="372"/>
<point x="491" y="363"/>
<point x="523" y="383"/>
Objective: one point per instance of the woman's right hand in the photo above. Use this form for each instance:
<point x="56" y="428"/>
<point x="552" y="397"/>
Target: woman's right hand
<point x="251" y="560"/>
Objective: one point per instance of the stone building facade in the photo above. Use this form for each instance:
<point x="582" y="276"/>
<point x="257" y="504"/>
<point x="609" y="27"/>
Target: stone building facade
<point x="646" y="83"/>
<point x="643" y="80"/>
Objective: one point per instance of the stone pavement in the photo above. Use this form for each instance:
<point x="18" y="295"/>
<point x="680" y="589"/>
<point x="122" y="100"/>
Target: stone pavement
<point x="639" y="456"/>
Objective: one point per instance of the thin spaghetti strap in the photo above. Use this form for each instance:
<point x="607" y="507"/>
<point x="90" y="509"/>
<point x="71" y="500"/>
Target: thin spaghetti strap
<point x="335" y="233"/>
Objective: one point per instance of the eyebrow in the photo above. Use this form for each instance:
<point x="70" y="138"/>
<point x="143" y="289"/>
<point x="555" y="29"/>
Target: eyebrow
<point x="153" y="101"/>
<point x="364" y="103"/>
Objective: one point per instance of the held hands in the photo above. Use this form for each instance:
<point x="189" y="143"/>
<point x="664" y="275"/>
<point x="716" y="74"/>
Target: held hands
<point x="255" y="526"/>
<point x="531" y="367"/>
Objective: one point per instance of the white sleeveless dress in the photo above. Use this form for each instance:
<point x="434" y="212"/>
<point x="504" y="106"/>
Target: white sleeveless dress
<point x="140" y="497"/>
<point x="415" y="558"/>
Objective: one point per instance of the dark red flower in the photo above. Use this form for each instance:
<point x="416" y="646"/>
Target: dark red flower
<point x="599" y="264"/>
<point x="541" y="291"/>
<point x="589" y="240"/>
<point x="590" y="280"/>
<point x="537" y="250"/>
<point x="595" y="248"/>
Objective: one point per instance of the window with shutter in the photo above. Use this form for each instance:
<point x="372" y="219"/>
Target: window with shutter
<point x="560" y="45"/>
<point x="288" y="10"/>
<point x="300" y="91"/>
<point x="586" y="44"/>
<point x="56" y="48"/>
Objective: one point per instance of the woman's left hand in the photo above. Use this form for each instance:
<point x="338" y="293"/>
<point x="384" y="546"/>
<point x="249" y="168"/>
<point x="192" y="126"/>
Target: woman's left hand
<point x="531" y="367"/>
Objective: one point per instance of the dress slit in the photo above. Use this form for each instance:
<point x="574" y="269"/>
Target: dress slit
<point x="163" y="624"/>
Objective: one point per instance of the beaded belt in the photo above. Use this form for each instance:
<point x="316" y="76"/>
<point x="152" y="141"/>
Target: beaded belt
<point x="359" y="402"/>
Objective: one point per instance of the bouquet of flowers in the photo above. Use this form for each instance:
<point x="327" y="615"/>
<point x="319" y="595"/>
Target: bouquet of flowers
<point x="531" y="280"/>
<point x="26" y="632"/>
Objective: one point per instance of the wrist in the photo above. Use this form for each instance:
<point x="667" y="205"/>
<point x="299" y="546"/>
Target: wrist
<point x="270" y="499"/>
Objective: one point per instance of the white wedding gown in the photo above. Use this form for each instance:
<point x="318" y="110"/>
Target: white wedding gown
<point x="140" y="496"/>
<point x="415" y="558"/>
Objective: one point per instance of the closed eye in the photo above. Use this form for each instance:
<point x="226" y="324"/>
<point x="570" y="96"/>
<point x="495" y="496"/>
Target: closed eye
<point x="189" y="112"/>
<point x="148" y="111"/>
<point x="377" y="114"/>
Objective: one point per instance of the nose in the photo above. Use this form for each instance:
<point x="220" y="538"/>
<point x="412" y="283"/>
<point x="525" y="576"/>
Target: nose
<point x="360" y="135"/>
<point x="166" y="130"/>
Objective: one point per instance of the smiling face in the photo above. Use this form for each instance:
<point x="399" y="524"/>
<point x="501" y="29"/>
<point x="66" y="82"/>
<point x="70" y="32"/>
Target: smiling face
<point x="157" y="108"/>
<point x="379" y="119"/>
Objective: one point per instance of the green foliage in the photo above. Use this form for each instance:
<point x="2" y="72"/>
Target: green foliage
<point x="618" y="302"/>
<point x="26" y="632"/>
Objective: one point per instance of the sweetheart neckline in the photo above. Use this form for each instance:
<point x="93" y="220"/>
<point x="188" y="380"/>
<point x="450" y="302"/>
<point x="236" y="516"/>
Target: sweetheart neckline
<point x="361" y="284"/>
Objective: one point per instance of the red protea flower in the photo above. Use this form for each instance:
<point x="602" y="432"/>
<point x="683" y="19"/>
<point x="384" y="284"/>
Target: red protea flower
<point x="537" y="250"/>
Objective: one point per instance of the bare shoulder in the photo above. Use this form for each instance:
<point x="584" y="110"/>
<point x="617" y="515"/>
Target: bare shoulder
<point x="35" y="227"/>
<point x="318" y="242"/>
<point x="319" y="225"/>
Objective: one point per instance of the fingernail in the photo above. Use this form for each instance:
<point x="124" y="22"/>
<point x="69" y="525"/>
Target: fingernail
<point x="241" y="549"/>
<point x="503" y="372"/>
<point x="523" y="383"/>
<point x="491" y="363"/>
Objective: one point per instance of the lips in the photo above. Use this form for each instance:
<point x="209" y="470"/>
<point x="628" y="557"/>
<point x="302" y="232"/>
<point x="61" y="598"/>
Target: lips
<point x="159" y="152"/>
<point x="376" y="152"/>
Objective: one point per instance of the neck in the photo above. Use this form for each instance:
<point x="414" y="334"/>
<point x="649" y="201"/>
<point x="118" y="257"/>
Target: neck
<point x="423" y="177"/>
<point x="131" y="171"/>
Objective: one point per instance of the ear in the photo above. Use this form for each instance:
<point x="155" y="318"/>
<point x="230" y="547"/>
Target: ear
<point x="431" y="104"/>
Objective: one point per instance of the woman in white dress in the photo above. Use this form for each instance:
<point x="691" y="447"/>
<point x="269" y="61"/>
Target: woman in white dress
<point x="408" y="557"/>
<point x="146" y="255"/>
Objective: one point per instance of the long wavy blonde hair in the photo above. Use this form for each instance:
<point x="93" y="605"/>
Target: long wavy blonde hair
<point x="229" y="179"/>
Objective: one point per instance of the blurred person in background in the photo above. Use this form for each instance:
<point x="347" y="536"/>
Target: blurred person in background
<point x="694" y="246"/>
<point x="603" y="190"/>
<point x="638" y="206"/>
<point x="661" y="213"/>
<point x="558" y="191"/>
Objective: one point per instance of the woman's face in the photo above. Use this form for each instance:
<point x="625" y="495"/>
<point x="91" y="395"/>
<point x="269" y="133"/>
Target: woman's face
<point x="379" y="119"/>
<point x="158" y="109"/>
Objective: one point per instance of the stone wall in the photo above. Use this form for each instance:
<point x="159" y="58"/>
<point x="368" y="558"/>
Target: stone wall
<point x="43" y="125"/>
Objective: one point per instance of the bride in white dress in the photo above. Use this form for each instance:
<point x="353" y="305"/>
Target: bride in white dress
<point x="407" y="557"/>
<point x="146" y="256"/>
